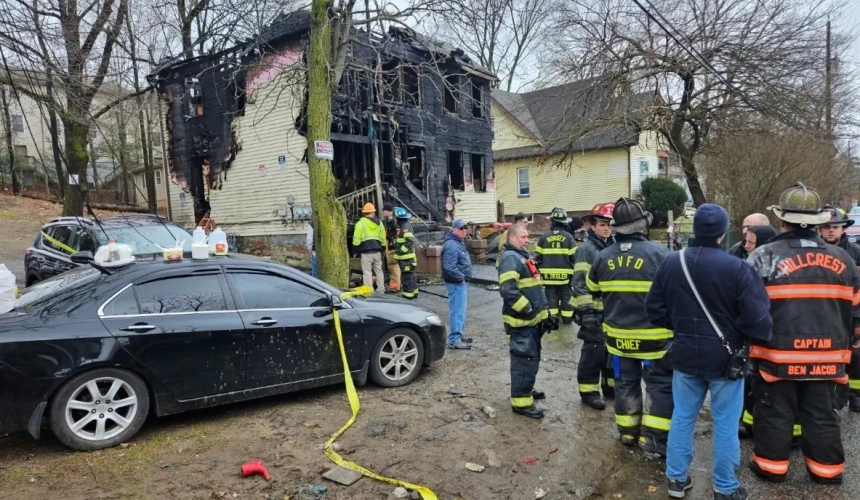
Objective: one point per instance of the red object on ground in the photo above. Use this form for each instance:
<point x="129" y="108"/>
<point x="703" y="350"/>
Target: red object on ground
<point x="530" y="461"/>
<point x="255" y="467"/>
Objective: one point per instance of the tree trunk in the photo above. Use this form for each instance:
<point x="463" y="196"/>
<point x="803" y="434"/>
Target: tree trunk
<point x="96" y="180"/>
<point x="55" y="137"/>
<point x="123" y="155"/>
<point x="329" y="218"/>
<point x="7" y="133"/>
<point x="148" y="173"/>
<point x="77" y="159"/>
<point x="693" y="182"/>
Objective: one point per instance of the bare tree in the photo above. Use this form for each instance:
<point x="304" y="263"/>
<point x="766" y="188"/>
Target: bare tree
<point x="502" y="34"/>
<point x="718" y="59"/>
<point x="7" y="137"/>
<point x="751" y="163"/>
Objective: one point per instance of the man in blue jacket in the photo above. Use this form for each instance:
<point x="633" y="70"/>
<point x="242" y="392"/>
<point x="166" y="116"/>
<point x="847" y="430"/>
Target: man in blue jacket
<point x="736" y="298"/>
<point x="456" y="270"/>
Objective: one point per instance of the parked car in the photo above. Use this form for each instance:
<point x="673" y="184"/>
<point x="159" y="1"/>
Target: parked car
<point x="91" y="354"/>
<point x="63" y="236"/>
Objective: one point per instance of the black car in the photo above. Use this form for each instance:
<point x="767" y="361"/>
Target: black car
<point x="51" y="252"/>
<point x="92" y="353"/>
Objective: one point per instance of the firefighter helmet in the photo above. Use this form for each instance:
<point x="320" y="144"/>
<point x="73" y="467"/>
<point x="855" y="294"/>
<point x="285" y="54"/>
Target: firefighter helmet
<point x="802" y="206"/>
<point x="838" y="217"/>
<point x="628" y="211"/>
<point x="401" y="213"/>
<point x="602" y="211"/>
<point x="558" y="214"/>
<point x="368" y="208"/>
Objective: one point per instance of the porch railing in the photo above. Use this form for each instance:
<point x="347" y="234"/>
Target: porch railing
<point x="354" y="201"/>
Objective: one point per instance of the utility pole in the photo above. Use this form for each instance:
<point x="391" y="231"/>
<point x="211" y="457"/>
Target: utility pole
<point x="828" y="83"/>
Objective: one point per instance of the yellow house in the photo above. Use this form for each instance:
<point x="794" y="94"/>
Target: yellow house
<point x="550" y="149"/>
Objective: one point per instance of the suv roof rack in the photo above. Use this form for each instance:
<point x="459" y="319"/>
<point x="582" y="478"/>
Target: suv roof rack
<point x="135" y="215"/>
<point x="71" y="219"/>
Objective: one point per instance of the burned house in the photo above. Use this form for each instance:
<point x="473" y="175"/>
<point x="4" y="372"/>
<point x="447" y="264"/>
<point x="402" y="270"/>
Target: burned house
<point x="411" y="124"/>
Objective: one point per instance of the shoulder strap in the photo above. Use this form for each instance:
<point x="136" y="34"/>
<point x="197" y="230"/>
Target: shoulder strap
<point x="701" y="302"/>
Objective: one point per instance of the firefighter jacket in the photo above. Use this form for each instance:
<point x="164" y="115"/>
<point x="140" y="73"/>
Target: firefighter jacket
<point x="853" y="249"/>
<point x="554" y="255"/>
<point x="814" y="292"/>
<point x="390" y="224"/>
<point x="404" y="244"/>
<point x="369" y="236"/>
<point x="523" y="299"/>
<point x="621" y="276"/>
<point x="584" y="258"/>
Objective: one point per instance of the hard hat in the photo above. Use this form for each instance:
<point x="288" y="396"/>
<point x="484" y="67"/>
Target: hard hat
<point x="601" y="211"/>
<point x="628" y="211"/>
<point x="801" y="205"/>
<point x="368" y="208"/>
<point x="401" y="213"/>
<point x="838" y="217"/>
<point x="558" y="214"/>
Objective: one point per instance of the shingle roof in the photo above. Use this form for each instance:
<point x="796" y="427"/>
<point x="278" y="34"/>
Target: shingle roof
<point x="580" y="116"/>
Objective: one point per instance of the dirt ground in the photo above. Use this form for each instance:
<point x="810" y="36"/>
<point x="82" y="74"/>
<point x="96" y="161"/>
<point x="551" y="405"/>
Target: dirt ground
<point x="20" y="220"/>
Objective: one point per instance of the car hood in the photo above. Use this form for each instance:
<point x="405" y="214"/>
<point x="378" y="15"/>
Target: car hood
<point x="394" y="309"/>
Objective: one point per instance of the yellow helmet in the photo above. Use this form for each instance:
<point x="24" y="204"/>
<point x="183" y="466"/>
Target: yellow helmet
<point x="368" y="208"/>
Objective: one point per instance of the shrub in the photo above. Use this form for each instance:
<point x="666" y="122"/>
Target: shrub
<point x="661" y="195"/>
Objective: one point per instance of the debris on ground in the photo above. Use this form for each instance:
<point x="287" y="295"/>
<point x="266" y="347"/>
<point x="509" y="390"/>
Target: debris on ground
<point x="492" y="458"/>
<point x="653" y="489"/>
<point x="540" y="493"/>
<point x="529" y="461"/>
<point x="489" y="411"/>
<point x="309" y="492"/>
<point x="475" y="467"/>
<point x="342" y="475"/>
<point x="550" y="452"/>
<point x="255" y="467"/>
<point x="401" y="492"/>
<point x="467" y="417"/>
<point x="493" y="288"/>
<point x="456" y="392"/>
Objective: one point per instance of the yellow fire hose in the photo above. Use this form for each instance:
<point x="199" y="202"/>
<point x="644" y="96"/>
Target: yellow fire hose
<point x="355" y="406"/>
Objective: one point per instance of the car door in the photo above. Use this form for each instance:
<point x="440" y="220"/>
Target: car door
<point x="291" y="330"/>
<point x="183" y="328"/>
<point x="56" y="250"/>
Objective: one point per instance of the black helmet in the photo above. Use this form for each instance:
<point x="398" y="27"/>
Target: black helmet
<point x="628" y="211"/>
<point x="558" y="214"/>
<point x="801" y="205"/>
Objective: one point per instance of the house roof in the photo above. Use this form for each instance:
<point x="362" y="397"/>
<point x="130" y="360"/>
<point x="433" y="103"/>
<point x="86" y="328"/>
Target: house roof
<point x="585" y="115"/>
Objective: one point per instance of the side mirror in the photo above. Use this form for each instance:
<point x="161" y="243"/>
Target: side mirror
<point x="336" y="302"/>
<point x="82" y="257"/>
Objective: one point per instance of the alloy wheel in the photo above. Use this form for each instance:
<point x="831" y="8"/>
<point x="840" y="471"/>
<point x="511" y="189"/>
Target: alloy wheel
<point x="398" y="357"/>
<point x="101" y="408"/>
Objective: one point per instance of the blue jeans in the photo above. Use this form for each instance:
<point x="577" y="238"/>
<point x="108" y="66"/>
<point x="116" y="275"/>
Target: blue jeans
<point x="456" y="310"/>
<point x="727" y="401"/>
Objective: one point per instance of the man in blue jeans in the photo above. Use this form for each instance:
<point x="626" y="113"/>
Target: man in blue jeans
<point x="456" y="270"/>
<point x="738" y="303"/>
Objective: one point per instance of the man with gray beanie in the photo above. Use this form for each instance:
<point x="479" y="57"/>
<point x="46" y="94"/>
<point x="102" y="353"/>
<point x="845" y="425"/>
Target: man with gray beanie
<point x="713" y="312"/>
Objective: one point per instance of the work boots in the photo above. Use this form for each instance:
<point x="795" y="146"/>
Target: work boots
<point x="738" y="494"/>
<point x="652" y="447"/>
<point x="594" y="401"/>
<point x="531" y="412"/>
<point x="536" y="394"/>
<point x="854" y="402"/>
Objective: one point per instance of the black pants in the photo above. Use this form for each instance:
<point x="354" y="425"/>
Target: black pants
<point x="778" y="406"/>
<point x="853" y="370"/>
<point x="654" y="424"/>
<point x="594" y="361"/>
<point x="558" y="297"/>
<point x="408" y="283"/>
<point x="748" y="416"/>
<point x="525" y="347"/>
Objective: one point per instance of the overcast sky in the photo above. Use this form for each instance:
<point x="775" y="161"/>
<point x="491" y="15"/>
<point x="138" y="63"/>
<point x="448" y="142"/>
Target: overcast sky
<point x="850" y="23"/>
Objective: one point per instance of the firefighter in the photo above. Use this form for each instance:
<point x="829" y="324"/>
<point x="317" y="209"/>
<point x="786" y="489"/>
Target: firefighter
<point x="391" y="262"/>
<point x="833" y="232"/>
<point x="404" y="253"/>
<point x="814" y="291"/>
<point x="621" y="276"/>
<point x="554" y="256"/>
<point x="524" y="312"/>
<point x="593" y="359"/>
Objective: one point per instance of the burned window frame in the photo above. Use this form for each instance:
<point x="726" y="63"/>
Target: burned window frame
<point x="421" y="163"/>
<point x="479" y="103"/>
<point x="451" y="89"/>
<point x="483" y="174"/>
<point x="452" y="185"/>
<point x="394" y="72"/>
<point x="194" y="97"/>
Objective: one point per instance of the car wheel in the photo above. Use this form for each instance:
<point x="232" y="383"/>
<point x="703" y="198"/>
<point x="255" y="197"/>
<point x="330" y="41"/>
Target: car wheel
<point x="397" y="358"/>
<point x="99" y="409"/>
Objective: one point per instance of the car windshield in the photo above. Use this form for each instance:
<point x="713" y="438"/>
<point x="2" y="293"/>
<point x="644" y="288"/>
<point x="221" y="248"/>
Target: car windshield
<point x="74" y="279"/>
<point x="146" y="238"/>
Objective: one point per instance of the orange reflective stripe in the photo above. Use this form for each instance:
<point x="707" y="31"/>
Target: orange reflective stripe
<point x="822" y="470"/>
<point x="768" y="377"/>
<point x="785" y="357"/>
<point x="856" y="300"/>
<point x="778" y="467"/>
<point x="841" y="380"/>
<point x="777" y="292"/>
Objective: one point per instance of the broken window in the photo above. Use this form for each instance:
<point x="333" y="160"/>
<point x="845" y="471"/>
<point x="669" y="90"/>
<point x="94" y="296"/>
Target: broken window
<point x="456" y="179"/>
<point x="391" y="81"/>
<point x="452" y="84"/>
<point x="415" y="159"/>
<point x="477" y="99"/>
<point x="194" y="95"/>
<point x="479" y="177"/>
<point x="411" y="86"/>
